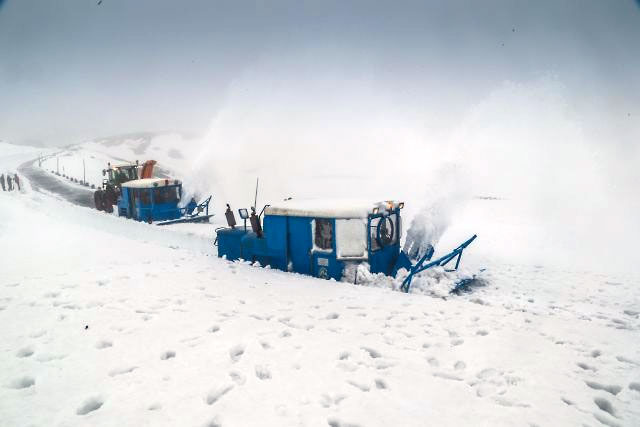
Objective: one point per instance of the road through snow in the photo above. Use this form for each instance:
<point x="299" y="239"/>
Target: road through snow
<point x="40" y="179"/>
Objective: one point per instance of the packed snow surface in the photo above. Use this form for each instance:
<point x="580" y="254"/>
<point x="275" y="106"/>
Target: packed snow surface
<point x="108" y="321"/>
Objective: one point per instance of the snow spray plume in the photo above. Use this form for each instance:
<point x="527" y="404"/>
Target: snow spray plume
<point x="320" y="135"/>
<point x="447" y="193"/>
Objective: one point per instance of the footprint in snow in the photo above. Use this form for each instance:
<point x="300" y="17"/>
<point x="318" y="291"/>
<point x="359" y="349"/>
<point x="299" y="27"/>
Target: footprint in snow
<point x="374" y="354"/>
<point x="360" y="386"/>
<point x="215" y="422"/>
<point x="335" y="422"/>
<point x="381" y="384"/>
<point x="262" y="372"/>
<point x="38" y="334"/>
<point x="344" y="355"/>
<point x="214" y="395"/>
<point x="332" y="316"/>
<point x="169" y="354"/>
<point x="122" y="371"/>
<point x="25" y="352"/>
<point x="104" y="344"/>
<point x="90" y="405"/>
<point x="237" y="377"/>
<point x="605" y="405"/>
<point x="326" y="400"/>
<point x="586" y="367"/>
<point x="447" y="376"/>
<point x="236" y="352"/>
<point x="433" y="362"/>
<point x="22" y="382"/>
<point x="612" y="389"/>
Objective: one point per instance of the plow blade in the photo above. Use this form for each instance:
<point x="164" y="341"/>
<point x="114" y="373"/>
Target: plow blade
<point x="197" y="218"/>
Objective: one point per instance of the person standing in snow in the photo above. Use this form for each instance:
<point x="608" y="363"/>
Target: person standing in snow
<point x="2" y="182"/>
<point x="17" y="180"/>
<point x="9" y="183"/>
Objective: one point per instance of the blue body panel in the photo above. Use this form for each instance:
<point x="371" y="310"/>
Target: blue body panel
<point x="229" y="243"/>
<point x="288" y="245"/>
<point x="276" y="236"/>
<point x="141" y="204"/>
<point x="299" y="244"/>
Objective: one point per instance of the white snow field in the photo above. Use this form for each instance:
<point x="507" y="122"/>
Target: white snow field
<point x="106" y="322"/>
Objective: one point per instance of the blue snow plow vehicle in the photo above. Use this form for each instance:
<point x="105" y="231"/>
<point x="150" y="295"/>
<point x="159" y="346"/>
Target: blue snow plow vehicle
<point x="156" y="200"/>
<point x="320" y="238"/>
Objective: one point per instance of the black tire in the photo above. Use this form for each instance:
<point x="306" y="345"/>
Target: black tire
<point x="98" y="199"/>
<point x="110" y="195"/>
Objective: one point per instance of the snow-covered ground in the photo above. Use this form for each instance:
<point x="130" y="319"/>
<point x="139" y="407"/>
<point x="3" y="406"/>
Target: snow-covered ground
<point x="107" y="321"/>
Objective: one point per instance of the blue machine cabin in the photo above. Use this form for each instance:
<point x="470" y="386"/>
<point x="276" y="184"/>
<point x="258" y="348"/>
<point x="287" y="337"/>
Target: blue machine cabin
<point x="317" y="238"/>
<point x="150" y="199"/>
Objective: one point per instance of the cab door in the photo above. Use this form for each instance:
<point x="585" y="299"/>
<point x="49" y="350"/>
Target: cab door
<point x="323" y="253"/>
<point x="132" y="202"/>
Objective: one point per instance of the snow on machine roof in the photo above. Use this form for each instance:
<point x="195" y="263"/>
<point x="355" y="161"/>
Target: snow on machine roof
<point x="330" y="208"/>
<point x="151" y="183"/>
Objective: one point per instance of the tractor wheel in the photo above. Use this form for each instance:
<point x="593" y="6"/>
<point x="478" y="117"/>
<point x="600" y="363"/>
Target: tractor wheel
<point x="98" y="199"/>
<point x="111" y="196"/>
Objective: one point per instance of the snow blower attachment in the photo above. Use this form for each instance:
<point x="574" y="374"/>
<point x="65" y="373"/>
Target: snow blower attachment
<point x="322" y="238"/>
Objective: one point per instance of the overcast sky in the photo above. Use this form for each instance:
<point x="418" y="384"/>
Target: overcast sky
<point x="73" y="69"/>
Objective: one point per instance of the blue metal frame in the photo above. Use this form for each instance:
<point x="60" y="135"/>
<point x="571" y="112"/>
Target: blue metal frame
<point x="442" y="261"/>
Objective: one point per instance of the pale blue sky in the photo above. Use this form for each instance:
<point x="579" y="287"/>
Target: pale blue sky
<point x="70" y="69"/>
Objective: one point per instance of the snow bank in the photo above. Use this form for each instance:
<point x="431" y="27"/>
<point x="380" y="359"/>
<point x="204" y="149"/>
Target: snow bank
<point x="435" y="282"/>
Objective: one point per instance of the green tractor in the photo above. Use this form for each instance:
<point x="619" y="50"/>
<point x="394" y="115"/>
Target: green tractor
<point x="114" y="176"/>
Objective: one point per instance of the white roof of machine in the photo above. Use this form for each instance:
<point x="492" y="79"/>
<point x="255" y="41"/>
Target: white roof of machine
<point x="325" y="208"/>
<point x="150" y="183"/>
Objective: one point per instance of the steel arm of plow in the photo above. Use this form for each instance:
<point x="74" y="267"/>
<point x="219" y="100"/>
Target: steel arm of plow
<point x="204" y="206"/>
<point x="418" y="267"/>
